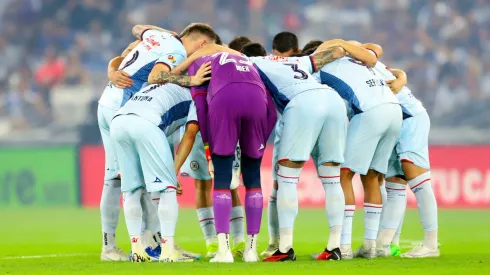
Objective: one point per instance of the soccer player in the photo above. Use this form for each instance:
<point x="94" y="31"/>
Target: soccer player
<point x="238" y="42"/>
<point x="139" y="134"/>
<point x="374" y="127"/>
<point x="305" y="127"/>
<point x="409" y="164"/>
<point x="285" y="44"/>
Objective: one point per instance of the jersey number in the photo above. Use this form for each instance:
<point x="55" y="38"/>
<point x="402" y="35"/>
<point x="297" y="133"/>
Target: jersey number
<point x="132" y="60"/>
<point x="360" y="63"/>
<point x="224" y="59"/>
<point x="300" y="74"/>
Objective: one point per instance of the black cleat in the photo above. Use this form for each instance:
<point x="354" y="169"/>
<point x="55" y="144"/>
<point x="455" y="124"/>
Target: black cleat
<point x="278" y="256"/>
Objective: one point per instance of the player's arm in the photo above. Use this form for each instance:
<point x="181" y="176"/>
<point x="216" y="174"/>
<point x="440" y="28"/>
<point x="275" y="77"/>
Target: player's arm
<point x="120" y="79"/>
<point x="355" y="51"/>
<point x="185" y="147"/>
<point x="326" y="56"/>
<point x="161" y="74"/>
<point x="399" y="82"/>
<point x="130" y="48"/>
<point x="207" y="50"/>
<point x="375" y="48"/>
<point x="138" y="30"/>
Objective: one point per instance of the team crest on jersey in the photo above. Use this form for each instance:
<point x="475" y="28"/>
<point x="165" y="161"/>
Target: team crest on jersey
<point x="194" y="165"/>
<point x="172" y="59"/>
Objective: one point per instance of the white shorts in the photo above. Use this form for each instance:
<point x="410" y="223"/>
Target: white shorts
<point x="104" y="118"/>
<point x="412" y="146"/>
<point x="307" y="127"/>
<point x="144" y="154"/>
<point x="371" y="138"/>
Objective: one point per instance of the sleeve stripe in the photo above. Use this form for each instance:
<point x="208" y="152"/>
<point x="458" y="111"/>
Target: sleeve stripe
<point x="202" y="92"/>
<point x="143" y="32"/>
<point x="313" y="66"/>
<point x="375" y="54"/>
<point x="192" y="122"/>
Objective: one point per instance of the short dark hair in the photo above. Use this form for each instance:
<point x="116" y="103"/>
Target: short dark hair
<point x="254" y="49"/>
<point x="200" y="28"/>
<point x="312" y="44"/>
<point x="238" y="42"/>
<point x="285" y="41"/>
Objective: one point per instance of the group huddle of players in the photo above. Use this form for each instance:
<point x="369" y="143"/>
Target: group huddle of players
<point x="333" y="101"/>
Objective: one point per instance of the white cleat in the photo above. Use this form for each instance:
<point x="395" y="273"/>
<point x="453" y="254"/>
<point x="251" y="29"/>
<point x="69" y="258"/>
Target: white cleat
<point x="383" y="252"/>
<point x="186" y="253"/>
<point x="250" y="256"/>
<point x="365" y="253"/>
<point x="347" y="254"/>
<point x="220" y="257"/>
<point x="175" y="258"/>
<point x="271" y="249"/>
<point x="114" y="255"/>
<point x="421" y="251"/>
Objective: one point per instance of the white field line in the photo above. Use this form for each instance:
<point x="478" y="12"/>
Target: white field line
<point x="44" y="256"/>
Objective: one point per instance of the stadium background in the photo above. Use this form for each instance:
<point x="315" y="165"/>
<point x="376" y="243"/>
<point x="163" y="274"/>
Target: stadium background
<point x="53" y="57"/>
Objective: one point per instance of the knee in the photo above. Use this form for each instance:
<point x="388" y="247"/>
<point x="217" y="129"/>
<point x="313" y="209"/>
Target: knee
<point x="251" y="171"/>
<point x="168" y="202"/>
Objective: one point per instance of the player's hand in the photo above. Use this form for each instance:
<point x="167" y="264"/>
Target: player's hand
<point x="202" y="75"/>
<point x="211" y="168"/>
<point x="395" y="86"/>
<point x="121" y="79"/>
<point x="179" y="188"/>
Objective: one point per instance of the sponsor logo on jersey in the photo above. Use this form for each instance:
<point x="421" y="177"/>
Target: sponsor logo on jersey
<point x="172" y="59"/>
<point x="194" y="165"/>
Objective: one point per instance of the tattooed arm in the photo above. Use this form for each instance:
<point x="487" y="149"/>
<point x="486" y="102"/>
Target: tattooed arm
<point x="161" y="74"/>
<point x="138" y="30"/>
<point x="355" y="51"/>
<point x="324" y="57"/>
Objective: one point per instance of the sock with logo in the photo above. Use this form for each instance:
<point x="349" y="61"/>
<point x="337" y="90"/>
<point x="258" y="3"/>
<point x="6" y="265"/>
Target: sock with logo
<point x="168" y="213"/>
<point x="334" y="202"/>
<point x="372" y="215"/>
<point x="427" y="205"/>
<point x="273" y="221"/>
<point x="221" y="195"/>
<point x="254" y="201"/>
<point x="206" y="221"/>
<point x="346" y="235"/>
<point x="133" y="213"/>
<point x="287" y="204"/>
<point x="393" y="211"/>
<point x="109" y="212"/>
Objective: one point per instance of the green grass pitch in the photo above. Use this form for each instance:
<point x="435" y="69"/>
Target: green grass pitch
<point x="70" y="240"/>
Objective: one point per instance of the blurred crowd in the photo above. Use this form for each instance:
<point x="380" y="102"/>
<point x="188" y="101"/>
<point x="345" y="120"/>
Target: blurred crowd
<point x="443" y="45"/>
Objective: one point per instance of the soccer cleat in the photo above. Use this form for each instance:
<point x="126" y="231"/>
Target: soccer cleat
<point x="212" y="249"/>
<point x="250" y="256"/>
<point x="187" y="254"/>
<point x="175" y="258"/>
<point x="326" y="255"/>
<point x="226" y="257"/>
<point x="114" y="255"/>
<point x="421" y="251"/>
<point x="157" y="250"/>
<point x="139" y="256"/>
<point x="347" y="254"/>
<point x="365" y="253"/>
<point x="279" y="256"/>
<point x="238" y="249"/>
<point x="383" y="252"/>
<point x="395" y="250"/>
<point x="271" y="249"/>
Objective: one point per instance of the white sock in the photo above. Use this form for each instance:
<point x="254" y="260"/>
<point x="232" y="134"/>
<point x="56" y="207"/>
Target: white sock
<point x="168" y="213"/>
<point x="236" y="225"/>
<point x="252" y="242"/>
<point x="393" y="211"/>
<point x="287" y="204"/>
<point x="334" y="202"/>
<point x="133" y="213"/>
<point x="150" y="213"/>
<point x="384" y="197"/>
<point x="427" y="205"/>
<point x="109" y="212"/>
<point x="286" y="239"/>
<point x="372" y="215"/>
<point x="273" y="219"/>
<point x="223" y="243"/>
<point x="206" y="221"/>
<point x="346" y="236"/>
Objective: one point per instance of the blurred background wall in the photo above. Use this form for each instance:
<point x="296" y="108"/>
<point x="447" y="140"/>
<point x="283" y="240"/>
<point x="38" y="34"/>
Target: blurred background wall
<point x="54" y="54"/>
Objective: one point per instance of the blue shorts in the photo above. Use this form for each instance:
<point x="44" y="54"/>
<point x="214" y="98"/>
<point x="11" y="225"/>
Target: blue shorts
<point x="371" y="137"/>
<point x="144" y="154"/>
<point x="104" y="118"/>
<point x="412" y="145"/>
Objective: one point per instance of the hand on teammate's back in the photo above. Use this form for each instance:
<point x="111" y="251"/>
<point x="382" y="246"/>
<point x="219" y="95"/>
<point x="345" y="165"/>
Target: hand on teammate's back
<point x="202" y="75"/>
<point x="121" y="79"/>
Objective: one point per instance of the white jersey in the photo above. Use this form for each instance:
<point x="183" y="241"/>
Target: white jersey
<point x="168" y="106"/>
<point x="410" y="105"/>
<point x="286" y="77"/>
<point x="155" y="47"/>
<point x="356" y="83"/>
